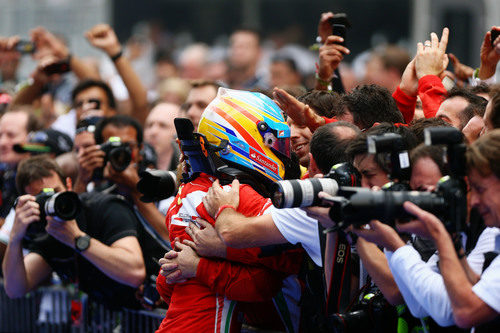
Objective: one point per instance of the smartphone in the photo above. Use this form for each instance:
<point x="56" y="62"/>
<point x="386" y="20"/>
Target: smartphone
<point x="494" y="35"/>
<point x="340" y="23"/>
<point x="341" y="31"/>
<point x="59" y="67"/>
<point x="25" y="47"/>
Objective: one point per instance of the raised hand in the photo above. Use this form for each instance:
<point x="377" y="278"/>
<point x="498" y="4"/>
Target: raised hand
<point x="431" y="58"/>
<point x="103" y="37"/>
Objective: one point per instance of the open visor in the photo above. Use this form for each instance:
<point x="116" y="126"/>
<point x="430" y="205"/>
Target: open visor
<point x="282" y="146"/>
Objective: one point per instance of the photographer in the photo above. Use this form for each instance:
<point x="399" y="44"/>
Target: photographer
<point x="129" y="134"/>
<point x="470" y="299"/>
<point x="93" y="249"/>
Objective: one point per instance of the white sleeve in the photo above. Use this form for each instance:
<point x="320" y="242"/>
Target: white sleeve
<point x="7" y="226"/>
<point x="484" y="244"/>
<point x="488" y="288"/>
<point x="297" y="227"/>
<point x="426" y="286"/>
<point x="413" y="305"/>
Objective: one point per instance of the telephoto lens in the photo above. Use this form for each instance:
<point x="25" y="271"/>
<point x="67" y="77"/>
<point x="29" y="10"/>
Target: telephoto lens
<point x="156" y="185"/>
<point x="304" y="193"/>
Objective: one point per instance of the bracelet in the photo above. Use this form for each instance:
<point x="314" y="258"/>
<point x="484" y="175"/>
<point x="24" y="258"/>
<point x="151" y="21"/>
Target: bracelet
<point x="117" y="56"/>
<point x="221" y="208"/>
<point x="322" y="82"/>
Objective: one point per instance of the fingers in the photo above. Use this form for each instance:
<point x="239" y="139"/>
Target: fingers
<point x="180" y="246"/>
<point x="235" y="187"/>
<point x="190" y="244"/>
<point x="190" y="233"/>
<point x="420" y="47"/>
<point x="434" y="40"/>
<point x="170" y="255"/>
<point x="453" y="59"/>
<point x="203" y="223"/>
<point x="444" y="40"/>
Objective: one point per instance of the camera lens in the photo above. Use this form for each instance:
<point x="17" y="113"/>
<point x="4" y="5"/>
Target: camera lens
<point x="302" y="193"/>
<point x="120" y="158"/>
<point x="156" y="185"/>
<point x="64" y="205"/>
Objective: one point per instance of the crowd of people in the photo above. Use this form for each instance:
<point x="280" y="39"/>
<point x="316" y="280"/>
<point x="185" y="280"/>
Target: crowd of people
<point x="303" y="203"/>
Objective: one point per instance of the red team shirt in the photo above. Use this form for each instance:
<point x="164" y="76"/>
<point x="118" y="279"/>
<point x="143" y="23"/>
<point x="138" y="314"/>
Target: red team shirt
<point x="208" y="302"/>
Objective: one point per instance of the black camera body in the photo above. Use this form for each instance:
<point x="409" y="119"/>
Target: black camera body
<point x="62" y="205"/>
<point x="448" y="202"/>
<point x="393" y="145"/>
<point x="371" y="312"/>
<point x="119" y="154"/>
<point x="304" y="193"/>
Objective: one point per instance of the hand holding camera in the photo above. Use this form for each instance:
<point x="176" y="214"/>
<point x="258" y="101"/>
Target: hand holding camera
<point x="89" y="159"/>
<point x="27" y="212"/>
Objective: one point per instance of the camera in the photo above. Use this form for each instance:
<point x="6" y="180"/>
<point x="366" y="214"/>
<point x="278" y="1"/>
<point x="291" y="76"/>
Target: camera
<point x="156" y="185"/>
<point x="340" y="24"/>
<point x="119" y="154"/>
<point x="304" y="193"/>
<point x="448" y="202"/>
<point x="395" y="149"/>
<point x="25" y="47"/>
<point x="62" y="205"/>
<point x="372" y="311"/>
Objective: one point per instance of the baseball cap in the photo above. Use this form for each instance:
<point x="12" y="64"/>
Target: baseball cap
<point x="46" y="141"/>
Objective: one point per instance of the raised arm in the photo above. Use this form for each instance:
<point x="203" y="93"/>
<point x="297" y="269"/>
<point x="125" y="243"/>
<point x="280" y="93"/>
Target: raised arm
<point x="103" y="37"/>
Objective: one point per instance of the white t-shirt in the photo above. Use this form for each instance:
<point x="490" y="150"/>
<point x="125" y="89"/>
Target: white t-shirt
<point x="488" y="287"/>
<point x="297" y="227"/>
<point x="421" y="284"/>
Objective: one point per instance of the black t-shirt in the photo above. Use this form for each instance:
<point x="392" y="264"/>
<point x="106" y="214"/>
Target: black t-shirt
<point x="106" y="218"/>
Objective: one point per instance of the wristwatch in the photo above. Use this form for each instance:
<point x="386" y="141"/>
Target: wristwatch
<point x="82" y="243"/>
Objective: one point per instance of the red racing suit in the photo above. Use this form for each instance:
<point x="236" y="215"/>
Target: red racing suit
<point x="209" y="302"/>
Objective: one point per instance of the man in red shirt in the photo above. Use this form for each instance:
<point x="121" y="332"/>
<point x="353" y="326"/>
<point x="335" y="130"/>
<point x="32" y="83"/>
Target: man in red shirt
<point x="243" y="135"/>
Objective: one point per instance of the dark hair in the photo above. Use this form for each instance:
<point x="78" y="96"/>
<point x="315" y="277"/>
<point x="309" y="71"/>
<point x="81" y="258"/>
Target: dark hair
<point x="84" y="85"/>
<point x="36" y="168"/>
<point x="370" y="104"/>
<point x="481" y="88"/>
<point x="119" y="121"/>
<point x="329" y="142"/>
<point x="478" y="104"/>
<point x="435" y="153"/>
<point x="324" y="103"/>
<point x="495" y="106"/>
<point x="358" y="145"/>
<point x="418" y="126"/>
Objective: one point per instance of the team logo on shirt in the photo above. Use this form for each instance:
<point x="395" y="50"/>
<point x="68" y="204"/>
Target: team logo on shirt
<point x="263" y="160"/>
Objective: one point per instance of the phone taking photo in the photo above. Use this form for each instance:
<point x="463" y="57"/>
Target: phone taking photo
<point x="340" y="24"/>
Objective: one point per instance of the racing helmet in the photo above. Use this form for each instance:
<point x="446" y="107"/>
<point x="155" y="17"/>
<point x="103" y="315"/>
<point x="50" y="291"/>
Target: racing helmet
<point x="250" y="130"/>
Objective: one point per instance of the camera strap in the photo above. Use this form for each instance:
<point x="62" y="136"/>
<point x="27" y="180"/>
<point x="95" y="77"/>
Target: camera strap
<point x="339" y="272"/>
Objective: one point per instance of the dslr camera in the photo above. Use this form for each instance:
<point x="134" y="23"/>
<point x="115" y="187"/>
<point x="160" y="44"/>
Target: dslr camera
<point x="449" y="201"/>
<point x="118" y="153"/>
<point x="62" y="205"/>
